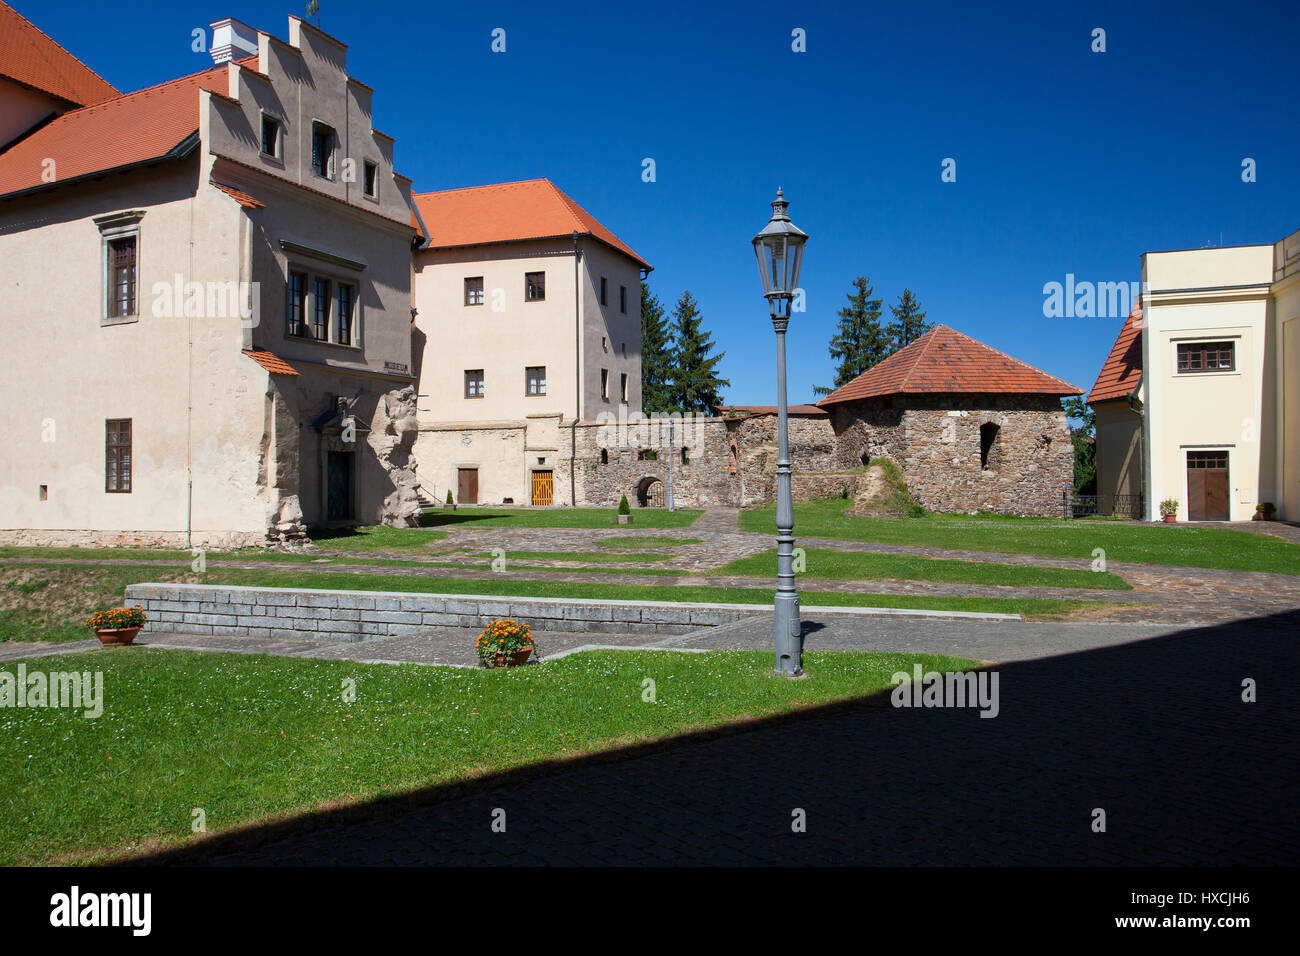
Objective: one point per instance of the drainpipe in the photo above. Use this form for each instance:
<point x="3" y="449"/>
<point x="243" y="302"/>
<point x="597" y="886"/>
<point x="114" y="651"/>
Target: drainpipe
<point x="577" y="366"/>
<point x="189" y="404"/>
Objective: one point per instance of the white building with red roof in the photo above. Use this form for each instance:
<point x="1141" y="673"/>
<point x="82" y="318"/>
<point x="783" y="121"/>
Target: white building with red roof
<point x="212" y="279"/>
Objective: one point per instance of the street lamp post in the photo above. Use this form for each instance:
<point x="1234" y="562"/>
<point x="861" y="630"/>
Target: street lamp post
<point x="779" y="248"/>
<point x="670" y="464"/>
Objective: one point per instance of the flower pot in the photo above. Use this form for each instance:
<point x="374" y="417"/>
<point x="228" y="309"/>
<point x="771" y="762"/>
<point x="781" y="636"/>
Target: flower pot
<point x="1170" y="519"/>
<point x="117" y="635"/>
<point x="514" y="659"/>
<point x="624" y="519"/>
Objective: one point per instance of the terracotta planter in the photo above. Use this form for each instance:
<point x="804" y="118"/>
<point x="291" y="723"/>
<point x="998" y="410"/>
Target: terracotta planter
<point x="117" y="635"/>
<point x="1170" y="519"/>
<point x="513" y="660"/>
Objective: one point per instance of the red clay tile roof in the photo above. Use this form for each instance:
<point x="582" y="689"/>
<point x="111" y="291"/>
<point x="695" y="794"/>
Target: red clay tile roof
<point x="241" y="197"/>
<point x="534" y="209"/>
<point x="31" y="58"/>
<point x="271" y="362"/>
<point x="946" y="361"/>
<point x="1121" y="374"/>
<point x="133" y="128"/>
<point x="771" y="409"/>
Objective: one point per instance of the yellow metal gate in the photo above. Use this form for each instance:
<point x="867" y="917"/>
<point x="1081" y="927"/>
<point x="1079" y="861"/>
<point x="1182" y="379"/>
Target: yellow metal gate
<point x="543" y="487"/>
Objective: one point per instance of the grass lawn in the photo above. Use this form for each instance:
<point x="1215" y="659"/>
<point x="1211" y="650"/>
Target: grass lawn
<point x="378" y="538"/>
<point x="1182" y="544"/>
<point x="255" y="738"/>
<point x="827" y="564"/>
<point x="49" y="602"/>
<point x="648" y="542"/>
<point x="476" y="517"/>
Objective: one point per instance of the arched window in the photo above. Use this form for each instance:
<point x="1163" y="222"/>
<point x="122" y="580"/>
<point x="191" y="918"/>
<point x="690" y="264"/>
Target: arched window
<point x="988" y="445"/>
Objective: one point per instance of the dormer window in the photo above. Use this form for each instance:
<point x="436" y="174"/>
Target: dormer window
<point x="272" y="137"/>
<point x="323" y="144"/>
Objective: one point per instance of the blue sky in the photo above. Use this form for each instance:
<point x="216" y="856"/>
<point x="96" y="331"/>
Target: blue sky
<point x="1067" y="161"/>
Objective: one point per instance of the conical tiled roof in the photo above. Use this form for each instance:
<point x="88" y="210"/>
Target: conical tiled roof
<point x="946" y="361"/>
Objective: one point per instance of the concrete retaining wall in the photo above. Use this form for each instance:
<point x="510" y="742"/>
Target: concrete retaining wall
<point x="359" y="615"/>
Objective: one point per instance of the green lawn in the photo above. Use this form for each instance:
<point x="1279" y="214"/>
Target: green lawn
<point x="247" y="738"/>
<point x="1182" y="544"/>
<point x="49" y="602"/>
<point x="557" y="518"/>
<point x="826" y="564"/>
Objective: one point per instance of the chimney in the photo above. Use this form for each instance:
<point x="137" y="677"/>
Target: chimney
<point x="232" y="40"/>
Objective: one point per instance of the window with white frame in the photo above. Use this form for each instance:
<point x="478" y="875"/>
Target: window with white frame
<point x="120" y="253"/>
<point x="322" y="307"/>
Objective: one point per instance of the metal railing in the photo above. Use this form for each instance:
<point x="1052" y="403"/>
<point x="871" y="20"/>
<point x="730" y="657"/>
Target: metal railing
<point x="1110" y="506"/>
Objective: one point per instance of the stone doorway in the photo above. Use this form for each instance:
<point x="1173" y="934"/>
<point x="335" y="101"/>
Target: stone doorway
<point x="650" y="493"/>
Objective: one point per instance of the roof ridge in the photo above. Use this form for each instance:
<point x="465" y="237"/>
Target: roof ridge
<point x="112" y="101"/>
<point x="461" y="189"/>
<point x="922" y="354"/>
<point x="70" y="54"/>
<point x="1012" y="358"/>
<point x="571" y="207"/>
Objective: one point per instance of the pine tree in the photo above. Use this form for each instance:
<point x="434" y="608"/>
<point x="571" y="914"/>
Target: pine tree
<point x="860" y="341"/>
<point x="909" y="321"/>
<point x="696" y="385"/>
<point x="656" y="354"/>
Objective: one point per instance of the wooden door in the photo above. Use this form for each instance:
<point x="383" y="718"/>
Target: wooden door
<point x="543" y="487"/>
<point x="338" y="486"/>
<point x="1207" y="486"/>
<point x="467" y="486"/>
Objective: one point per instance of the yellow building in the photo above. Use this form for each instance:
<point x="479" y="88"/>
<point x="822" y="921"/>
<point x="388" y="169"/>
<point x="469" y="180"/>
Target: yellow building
<point x="1199" y="399"/>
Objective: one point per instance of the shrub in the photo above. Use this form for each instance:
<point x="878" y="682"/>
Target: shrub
<point x="1169" y="506"/>
<point x="505" y="638"/>
<point x="116" y="618"/>
<point x="449" y="501"/>
<point x="623" y="507"/>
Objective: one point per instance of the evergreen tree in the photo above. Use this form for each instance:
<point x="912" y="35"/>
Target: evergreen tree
<point x="1085" y="447"/>
<point x="656" y="354"/>
<point x="909" y="321"/>
<point x="860" y="341"/>
<point x="696" y="385"/>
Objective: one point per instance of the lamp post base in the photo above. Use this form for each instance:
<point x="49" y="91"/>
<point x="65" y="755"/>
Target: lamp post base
<point x="789" y="635"/>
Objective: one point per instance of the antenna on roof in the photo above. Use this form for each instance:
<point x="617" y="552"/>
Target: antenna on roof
<point x="313" y="9"/>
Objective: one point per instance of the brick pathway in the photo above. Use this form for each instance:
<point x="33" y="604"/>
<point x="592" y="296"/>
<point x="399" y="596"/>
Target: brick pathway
<point x="1151" y="731"/>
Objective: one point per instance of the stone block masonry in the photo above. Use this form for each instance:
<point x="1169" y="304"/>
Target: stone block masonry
<point x="334" y="616"/>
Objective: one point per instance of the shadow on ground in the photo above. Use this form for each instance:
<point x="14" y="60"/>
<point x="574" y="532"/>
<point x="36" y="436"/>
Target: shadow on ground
<point x="1155" y="733"/>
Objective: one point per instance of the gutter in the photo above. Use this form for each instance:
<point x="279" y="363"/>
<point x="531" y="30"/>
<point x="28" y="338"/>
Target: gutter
<point x="577" y="367"/>
<point x="179" y="151"/>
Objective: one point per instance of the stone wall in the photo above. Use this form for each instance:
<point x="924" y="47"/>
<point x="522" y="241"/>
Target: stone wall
<point x="936" y="442"/>
<point x="612" y="462"/>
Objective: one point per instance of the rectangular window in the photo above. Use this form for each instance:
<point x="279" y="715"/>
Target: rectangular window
<point x="121" y="277"/>
<point x="622" y="385"/>
<point x="371" y="181"/>
<point x="297" y="309"/>
<point x="117" y="455"/>
<point x="604" y="289"/>
<point x="474" y="290"/>
<point x="271" y="136"/>
<point x="474" y="383"/>
<point x="534" y="286"/>
<point x="622" y="299"/>
<point x="604" y="384"/>
<point x="322" y="150"/>
<point x="1207" y="459"/>
<point x="1206" y="357"/>
<point x="320" y="320"/>
<point x="347" y="304"/>
<point x="535" y="380"/>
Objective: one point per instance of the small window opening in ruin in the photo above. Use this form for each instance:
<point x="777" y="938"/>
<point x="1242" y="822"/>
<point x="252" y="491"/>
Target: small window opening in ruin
<point x="988" y="439"/>
<point x="604" y="456"/>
